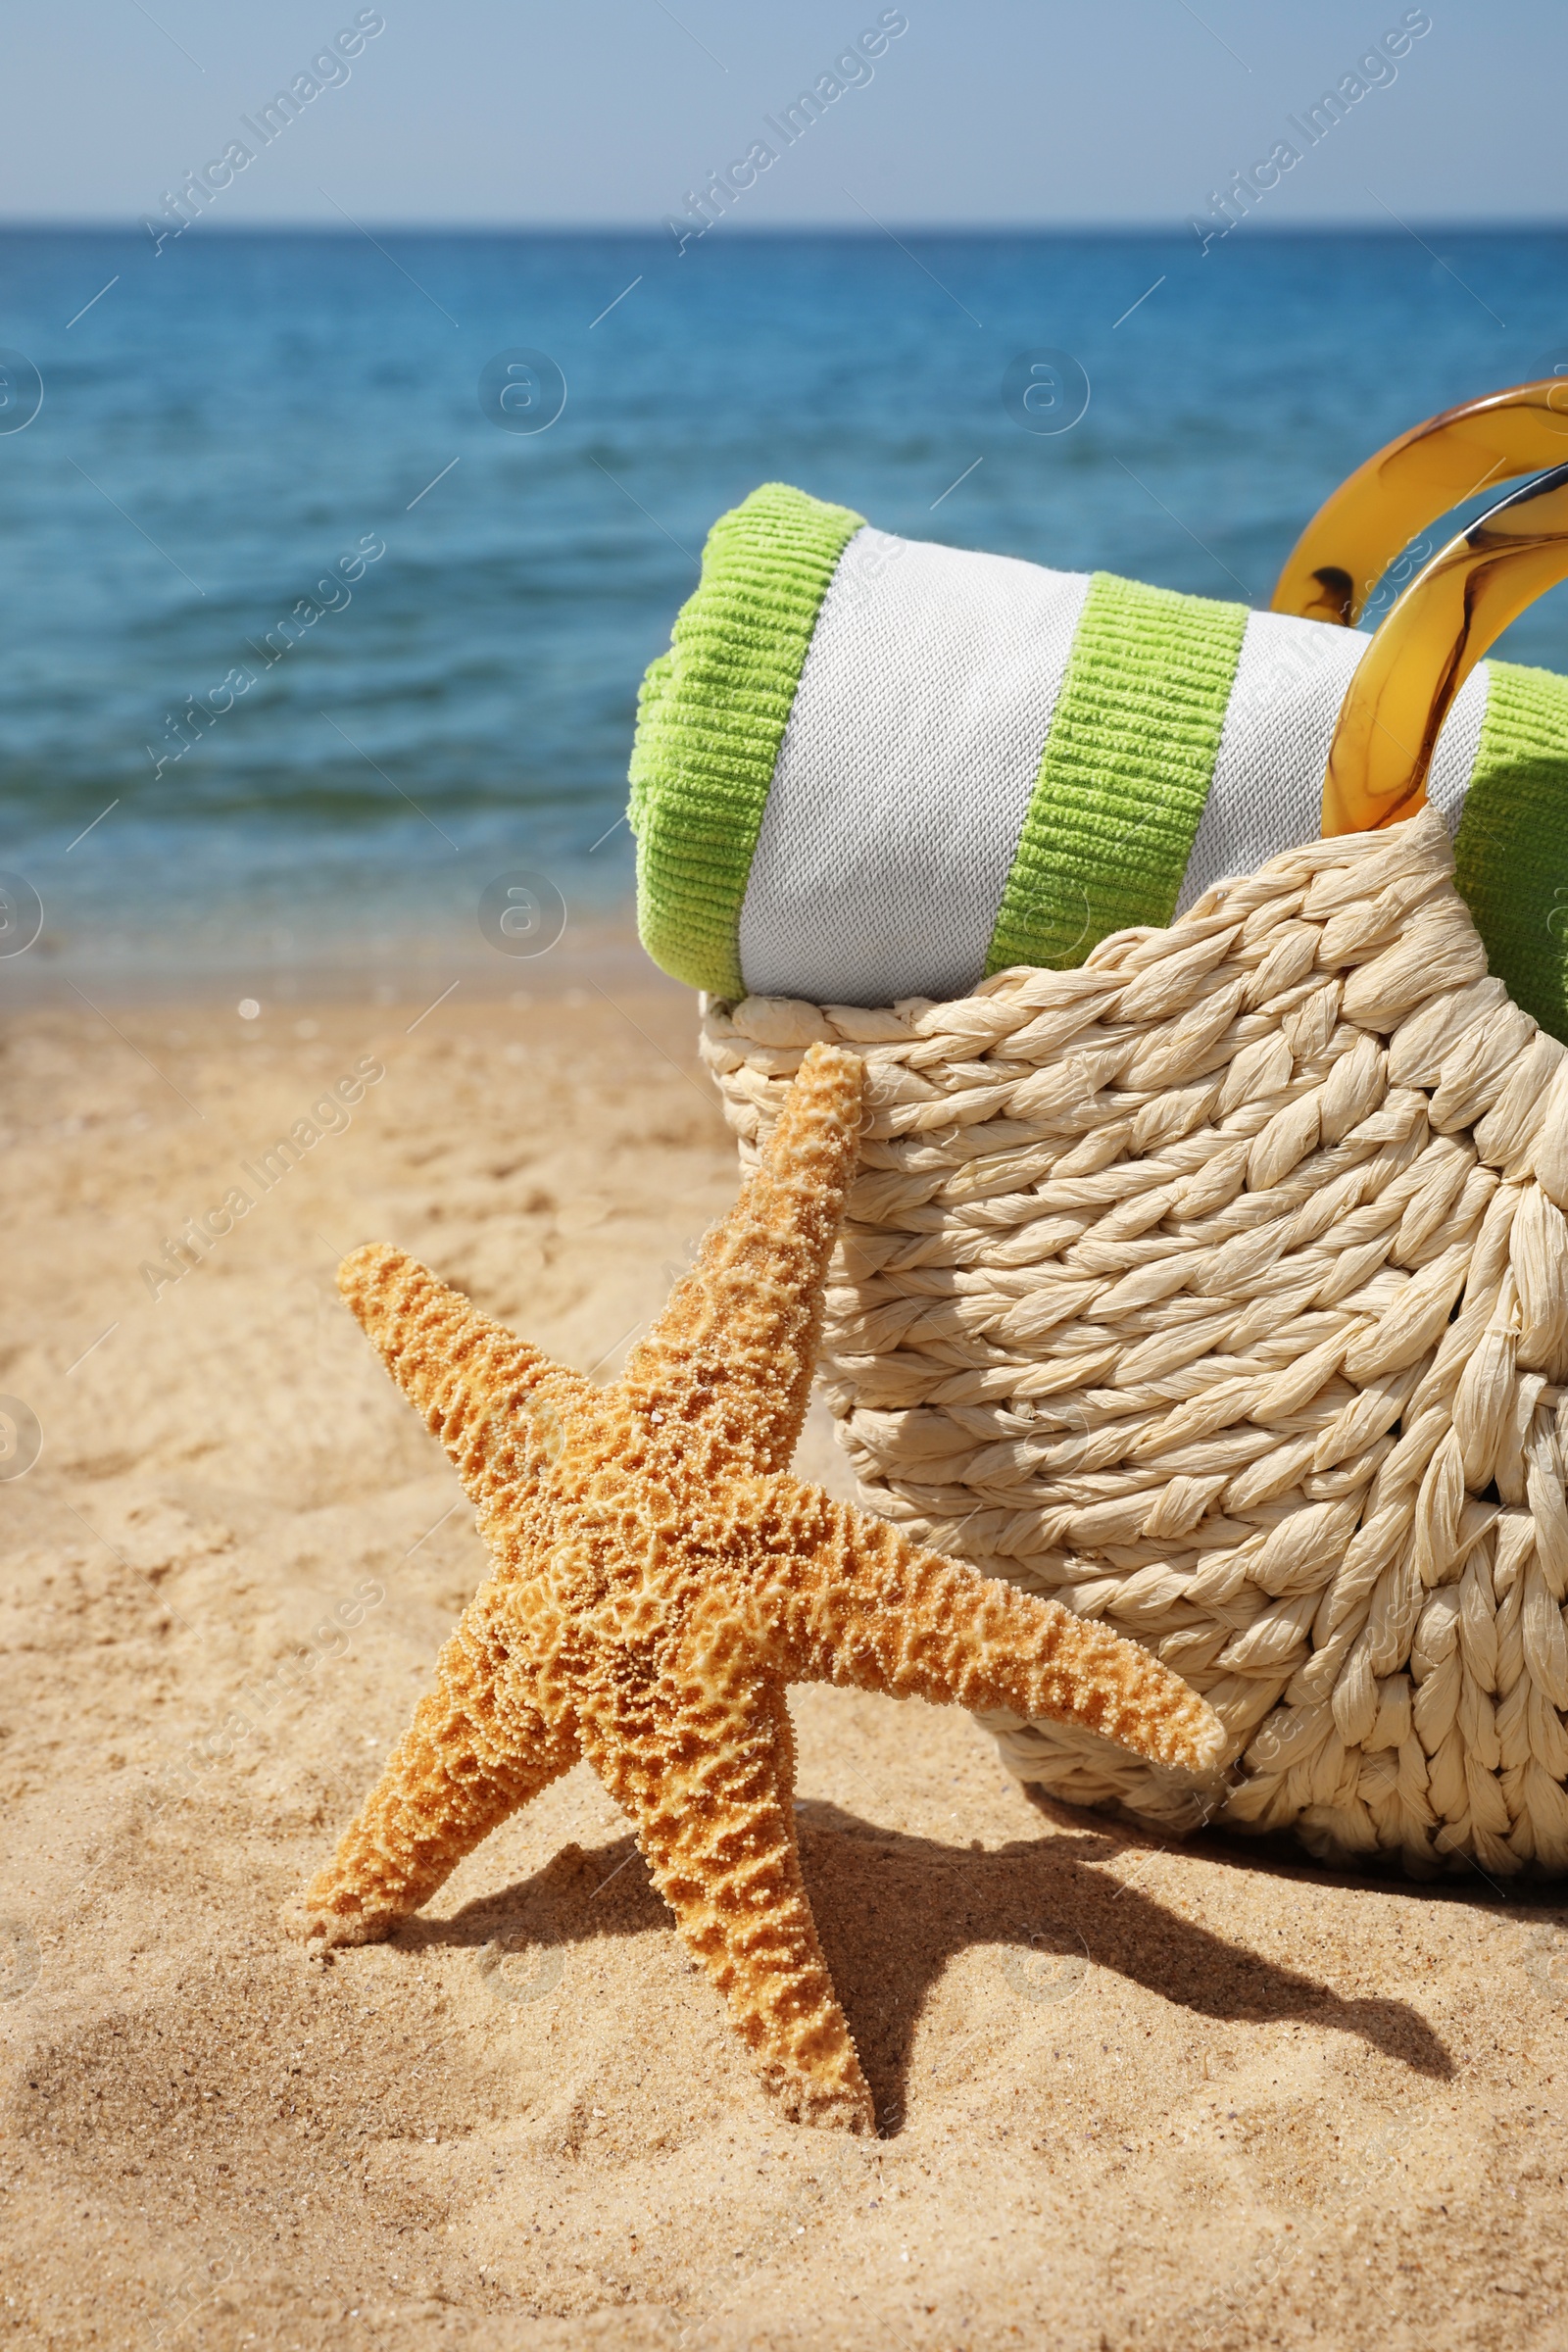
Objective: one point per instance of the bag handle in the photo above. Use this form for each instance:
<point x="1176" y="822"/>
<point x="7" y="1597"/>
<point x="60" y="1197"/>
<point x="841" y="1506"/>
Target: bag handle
<point x="1353" y="537"/>
<point x="1443" y="624"/>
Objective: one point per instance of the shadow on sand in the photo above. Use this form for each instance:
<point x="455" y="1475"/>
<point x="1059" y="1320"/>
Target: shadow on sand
<point x="892" y="1909"/>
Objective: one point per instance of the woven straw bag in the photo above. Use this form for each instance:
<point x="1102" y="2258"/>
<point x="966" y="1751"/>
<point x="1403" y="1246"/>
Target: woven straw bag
<point x="1219" y="1289"/>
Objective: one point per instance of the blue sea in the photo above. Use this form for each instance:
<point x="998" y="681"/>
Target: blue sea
<point x="298" y="460"/>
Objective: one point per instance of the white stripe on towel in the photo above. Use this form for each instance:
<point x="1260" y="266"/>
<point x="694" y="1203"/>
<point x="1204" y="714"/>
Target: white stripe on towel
<point x="905" y="772"/>
<point x="1267" y="792"/>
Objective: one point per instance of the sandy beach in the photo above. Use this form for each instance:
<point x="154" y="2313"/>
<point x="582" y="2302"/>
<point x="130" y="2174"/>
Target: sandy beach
<point x="1131" y="2093"/>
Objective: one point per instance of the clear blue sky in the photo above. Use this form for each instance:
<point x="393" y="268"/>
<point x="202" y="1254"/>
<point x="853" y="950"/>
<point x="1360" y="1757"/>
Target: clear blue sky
<point x="1026" y="112"/>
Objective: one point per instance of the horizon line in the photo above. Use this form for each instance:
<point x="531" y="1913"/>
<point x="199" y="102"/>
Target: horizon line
<point x="1539" y="223"/>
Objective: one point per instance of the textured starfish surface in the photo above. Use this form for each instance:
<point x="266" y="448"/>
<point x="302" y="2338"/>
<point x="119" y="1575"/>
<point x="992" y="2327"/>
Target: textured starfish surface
<point x="658" y="1580"/>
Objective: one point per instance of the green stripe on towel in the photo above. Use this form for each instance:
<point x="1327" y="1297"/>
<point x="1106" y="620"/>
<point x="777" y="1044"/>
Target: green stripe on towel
<point x="1125" y="774"/>
<point x="711" y="718"/>
<point x="1511" y="850"/>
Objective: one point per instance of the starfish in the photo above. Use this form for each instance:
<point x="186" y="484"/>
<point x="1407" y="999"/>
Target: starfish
<point x="660" y="1579"/>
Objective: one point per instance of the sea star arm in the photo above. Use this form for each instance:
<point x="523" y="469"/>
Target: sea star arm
<point x="704" y="1764"/>
<point x="498" y="1407"/>
<point x="736" y="1345"/>
<point x="662" y="1580"/>
<point x="856" y="1602"/>
<point x="476" y="1750"/>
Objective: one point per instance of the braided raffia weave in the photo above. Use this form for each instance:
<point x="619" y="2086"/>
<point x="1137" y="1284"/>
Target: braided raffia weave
<point x="1219" y="1289"/>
